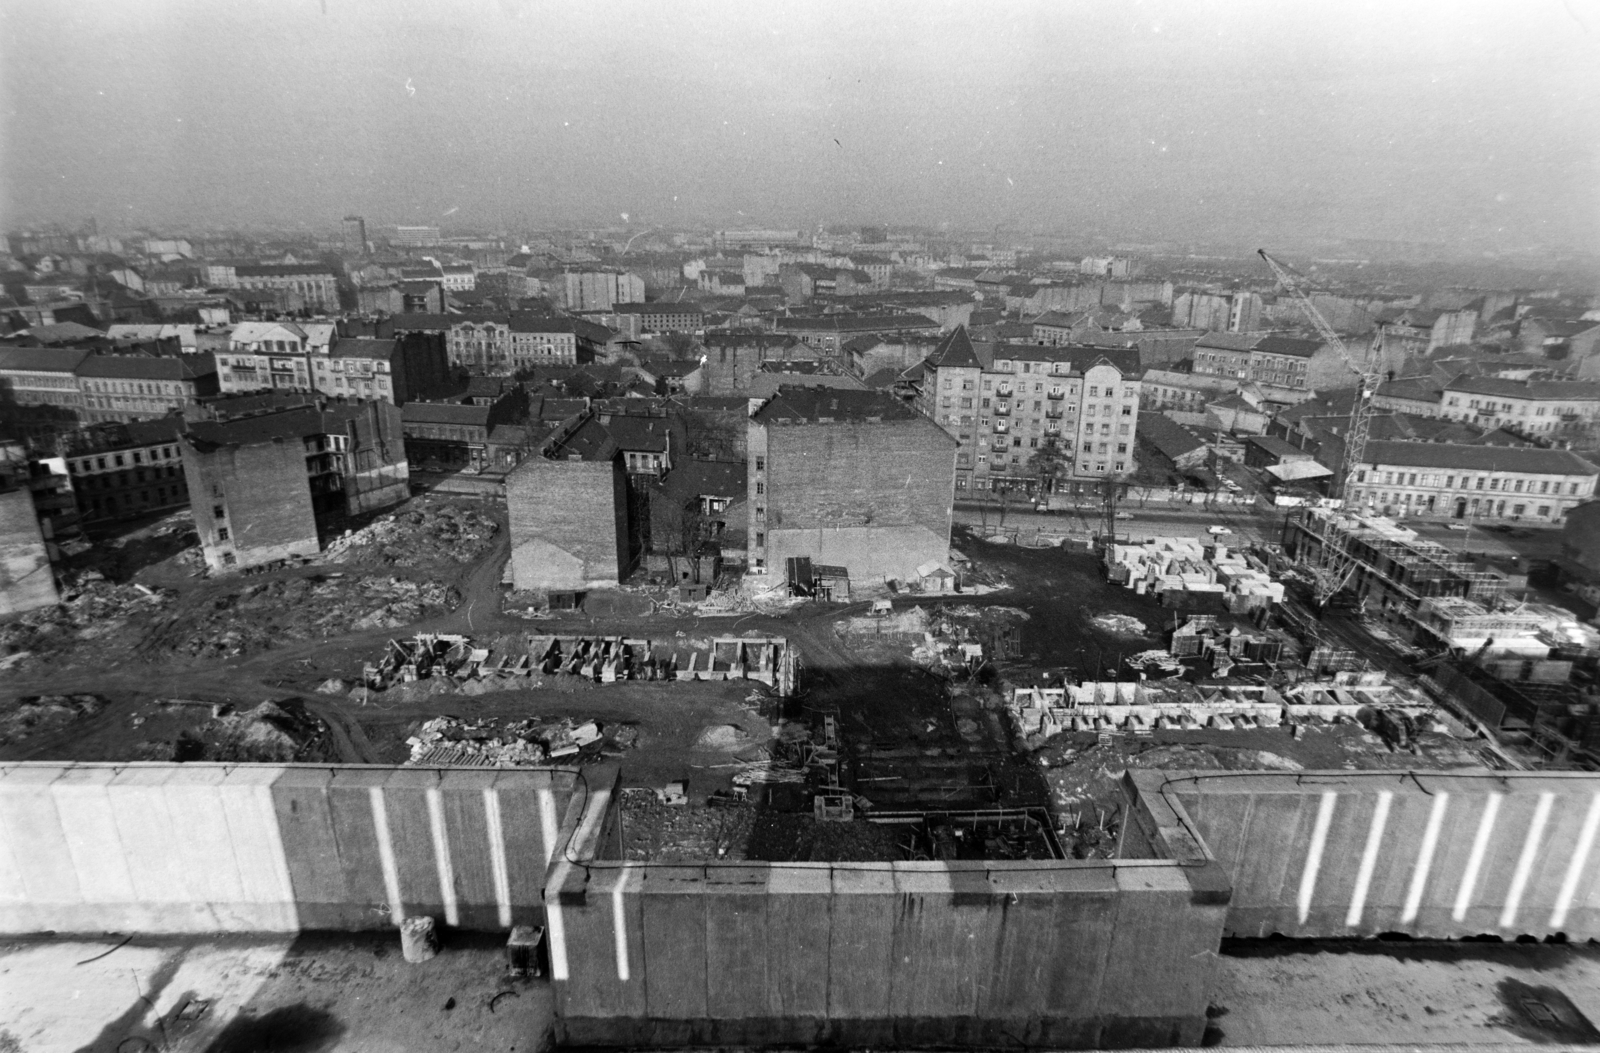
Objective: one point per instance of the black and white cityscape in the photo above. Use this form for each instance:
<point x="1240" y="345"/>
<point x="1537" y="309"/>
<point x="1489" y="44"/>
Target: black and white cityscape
<point x="896" y="526"/>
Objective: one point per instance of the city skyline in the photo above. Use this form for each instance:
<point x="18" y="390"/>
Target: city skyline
<point x="1458" y="124"/>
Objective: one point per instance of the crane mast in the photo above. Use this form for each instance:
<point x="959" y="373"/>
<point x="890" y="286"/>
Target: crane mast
<point x="1335" y="566"/>
<point x="1369" y="373"/>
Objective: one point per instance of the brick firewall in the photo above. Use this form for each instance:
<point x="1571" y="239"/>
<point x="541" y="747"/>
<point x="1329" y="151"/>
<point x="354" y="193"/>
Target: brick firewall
<point x="872" y="495"/>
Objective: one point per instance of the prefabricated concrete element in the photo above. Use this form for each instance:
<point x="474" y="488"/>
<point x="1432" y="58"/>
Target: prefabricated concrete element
<point x="1072" y="954"/>
<point x="161" y="848"/>
<point x="1433" y="855"/>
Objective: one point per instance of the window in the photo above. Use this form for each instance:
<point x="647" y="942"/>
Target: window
<point x="216" y="512"/>
<point x="761" y="488"/>
<point x="1094" y="392"/>
<point x="222" y="533"/>
<point x="1516" y="510"/>
<point x="761" y="539"/>
<point x="1544" y="510"/>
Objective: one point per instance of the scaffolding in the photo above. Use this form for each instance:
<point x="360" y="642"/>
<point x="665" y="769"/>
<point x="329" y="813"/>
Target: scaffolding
<point x="1373" y="551"/>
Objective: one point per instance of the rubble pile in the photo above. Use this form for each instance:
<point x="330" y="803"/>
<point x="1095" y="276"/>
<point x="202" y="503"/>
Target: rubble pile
<point x="449" y="742"/>
<point x="40" y="713"/>
<point x="99" y="611"/>
<point x="422" y="535"/>
<point x="271" y="733"/>
<point x="1121" y="624"/>
<point x="438" y="656"/>
<point x="119" y="558"/>
<point x="264" y="616"/>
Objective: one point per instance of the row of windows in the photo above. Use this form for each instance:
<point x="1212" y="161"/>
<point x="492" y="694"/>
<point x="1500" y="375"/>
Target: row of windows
<point x="1468" y="482"/>
<point x="110" y="481"/>
<point x="108" y="461"/>
<point x="1475" y="507"/>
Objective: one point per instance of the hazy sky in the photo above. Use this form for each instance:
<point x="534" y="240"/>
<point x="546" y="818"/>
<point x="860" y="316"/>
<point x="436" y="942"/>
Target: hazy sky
<point x="1458" y="121"/>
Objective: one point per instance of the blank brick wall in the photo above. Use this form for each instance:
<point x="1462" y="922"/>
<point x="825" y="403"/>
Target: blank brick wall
<point x="576" y="507"/>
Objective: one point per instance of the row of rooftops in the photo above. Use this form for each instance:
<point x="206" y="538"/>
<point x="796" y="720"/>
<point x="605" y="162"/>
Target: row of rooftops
<point x="959" y="351"/>
<point x="82" y="363"/>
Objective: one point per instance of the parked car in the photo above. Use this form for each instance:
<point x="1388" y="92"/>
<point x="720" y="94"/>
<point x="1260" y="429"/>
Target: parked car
<point x="1218" y="529"/>
<point x="1124" y="515"/>
<point x="1458" y="526"/>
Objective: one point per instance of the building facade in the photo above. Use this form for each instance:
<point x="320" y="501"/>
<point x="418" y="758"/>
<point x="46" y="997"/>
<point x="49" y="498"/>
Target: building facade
<point x="123" y="470"/>
<point x="1534" y="407"/>
<point x="1454" y="481"/>
<point x="1009" y="400"/>
<point x="139" y="387"/>
<point x="314" y="284"/>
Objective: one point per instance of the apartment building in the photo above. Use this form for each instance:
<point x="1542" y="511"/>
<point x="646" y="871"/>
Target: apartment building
<point x="41" y="376"/>
<point x="1530" y="406"/>
<point x="1004" y="401"/>
<point x="660" y="317"/>
<point x="1480" y="482"/>
<point x="312" y="284"/>
<point x="141" y="387"/>
<point x="265" y="355"/>
<point x="497" y="342"/>
<point x="124" y="470"/>
<point x="275" y="486"/>
<point x="396" y="370"/>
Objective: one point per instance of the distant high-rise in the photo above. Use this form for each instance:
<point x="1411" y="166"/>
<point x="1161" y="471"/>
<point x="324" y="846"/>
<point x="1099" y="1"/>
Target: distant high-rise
<point x="355" y="235"/>
<point x="416" y="237"/>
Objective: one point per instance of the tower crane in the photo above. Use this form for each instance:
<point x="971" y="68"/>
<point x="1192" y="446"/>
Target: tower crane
<point x="1336" y="566"/>
<point x="1369" y="372"/>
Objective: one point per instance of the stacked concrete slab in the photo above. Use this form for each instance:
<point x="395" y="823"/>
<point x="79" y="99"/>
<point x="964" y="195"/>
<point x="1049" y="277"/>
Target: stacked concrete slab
<point x="1432" y="855"/>
<point x="238" y="848"/>
<point x="1068" y="953"/>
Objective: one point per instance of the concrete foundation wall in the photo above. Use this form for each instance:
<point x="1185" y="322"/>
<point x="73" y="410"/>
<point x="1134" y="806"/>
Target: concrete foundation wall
<point x="1066" y="954"/>
<point x="1432" y="855"/>
<point x="237" y="848"/>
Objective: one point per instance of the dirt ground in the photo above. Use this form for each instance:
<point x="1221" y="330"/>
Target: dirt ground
<point x="1269" y="993"/>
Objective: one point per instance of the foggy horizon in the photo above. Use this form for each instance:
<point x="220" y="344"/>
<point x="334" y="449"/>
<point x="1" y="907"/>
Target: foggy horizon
<point x="1471" y="125"/>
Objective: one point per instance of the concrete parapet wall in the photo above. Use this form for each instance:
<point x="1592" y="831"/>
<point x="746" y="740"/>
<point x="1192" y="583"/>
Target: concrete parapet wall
<point x="1067" y="953"/>
<point x="1429" y="854"/>
<point x="238" y="848"/>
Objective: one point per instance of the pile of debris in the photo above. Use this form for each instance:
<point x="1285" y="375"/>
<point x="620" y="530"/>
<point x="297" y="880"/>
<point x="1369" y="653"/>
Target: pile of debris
<point x="119" y="558"/>
<point x="601" y="659"/>
<point x="271" y="733"/>
<point x="264" y="616"/>
<point x="421" y="535"/>
<point x="1121" y="624"/>
<point x="99" y="611"/>
<point x="449" y="742"/>
<point x="38" y="713"/>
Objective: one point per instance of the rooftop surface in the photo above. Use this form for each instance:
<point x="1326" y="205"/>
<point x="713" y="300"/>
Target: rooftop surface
<point x="347" y="992"/>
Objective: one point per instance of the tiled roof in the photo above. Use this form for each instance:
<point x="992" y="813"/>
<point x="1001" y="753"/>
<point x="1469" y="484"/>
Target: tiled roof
<point x="956" y="352"/>
<point x="1526" y="459"/>
<point x="1167" y="435"/>
<point x="41" y="359"/>
<point x="856" y="323"/>
<point x="795" y="403"/>
<point x="1550" y="390"/>
<point x="281" y="270"/>
<point x="1228" y="341"/>
<point x="657" y="308"/>
<point x="133" y="367"/>
<point x="363" y="347"/>
<point x="1079" y="358"/>
<point x="1287" y="345"/>
<point x="444" y="413"/>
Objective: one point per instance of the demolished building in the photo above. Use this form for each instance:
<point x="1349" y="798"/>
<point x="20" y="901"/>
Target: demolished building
<point x="278" y="485"/>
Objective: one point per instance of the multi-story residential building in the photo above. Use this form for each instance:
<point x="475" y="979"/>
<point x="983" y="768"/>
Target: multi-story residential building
<point x="1533" y="407"/>
<point x="1281" y="361"/>
<point x="123" y="470"/>
<point x="142" y="387"/>
<point x="276" y="486"/>
<point x="397" y="370"/>
<point x="598" y="290"/>
<point x="490" y="342"/>
<point x="458" y="277"/>
<point x="1418" y="330"/>
<point x="1224" y="354"/>
<point x="856" y="480"/>
<point x="1420" y="396"/>
<point x="1459" y="481"/>
<point x="265" y="355"/>
<point x="40" y="376"/>
<point x="1004" y="401"/>
<point x="663" y="317"/>
<point x="313" y="284"/>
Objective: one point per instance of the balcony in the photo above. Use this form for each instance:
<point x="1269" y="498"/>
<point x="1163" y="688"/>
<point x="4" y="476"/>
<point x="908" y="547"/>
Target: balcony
<point x="1054" y="413"/>
<point x="1003" y="391"/>
<point x="1002" y="408"/>
<point x="1056" y="394"/>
